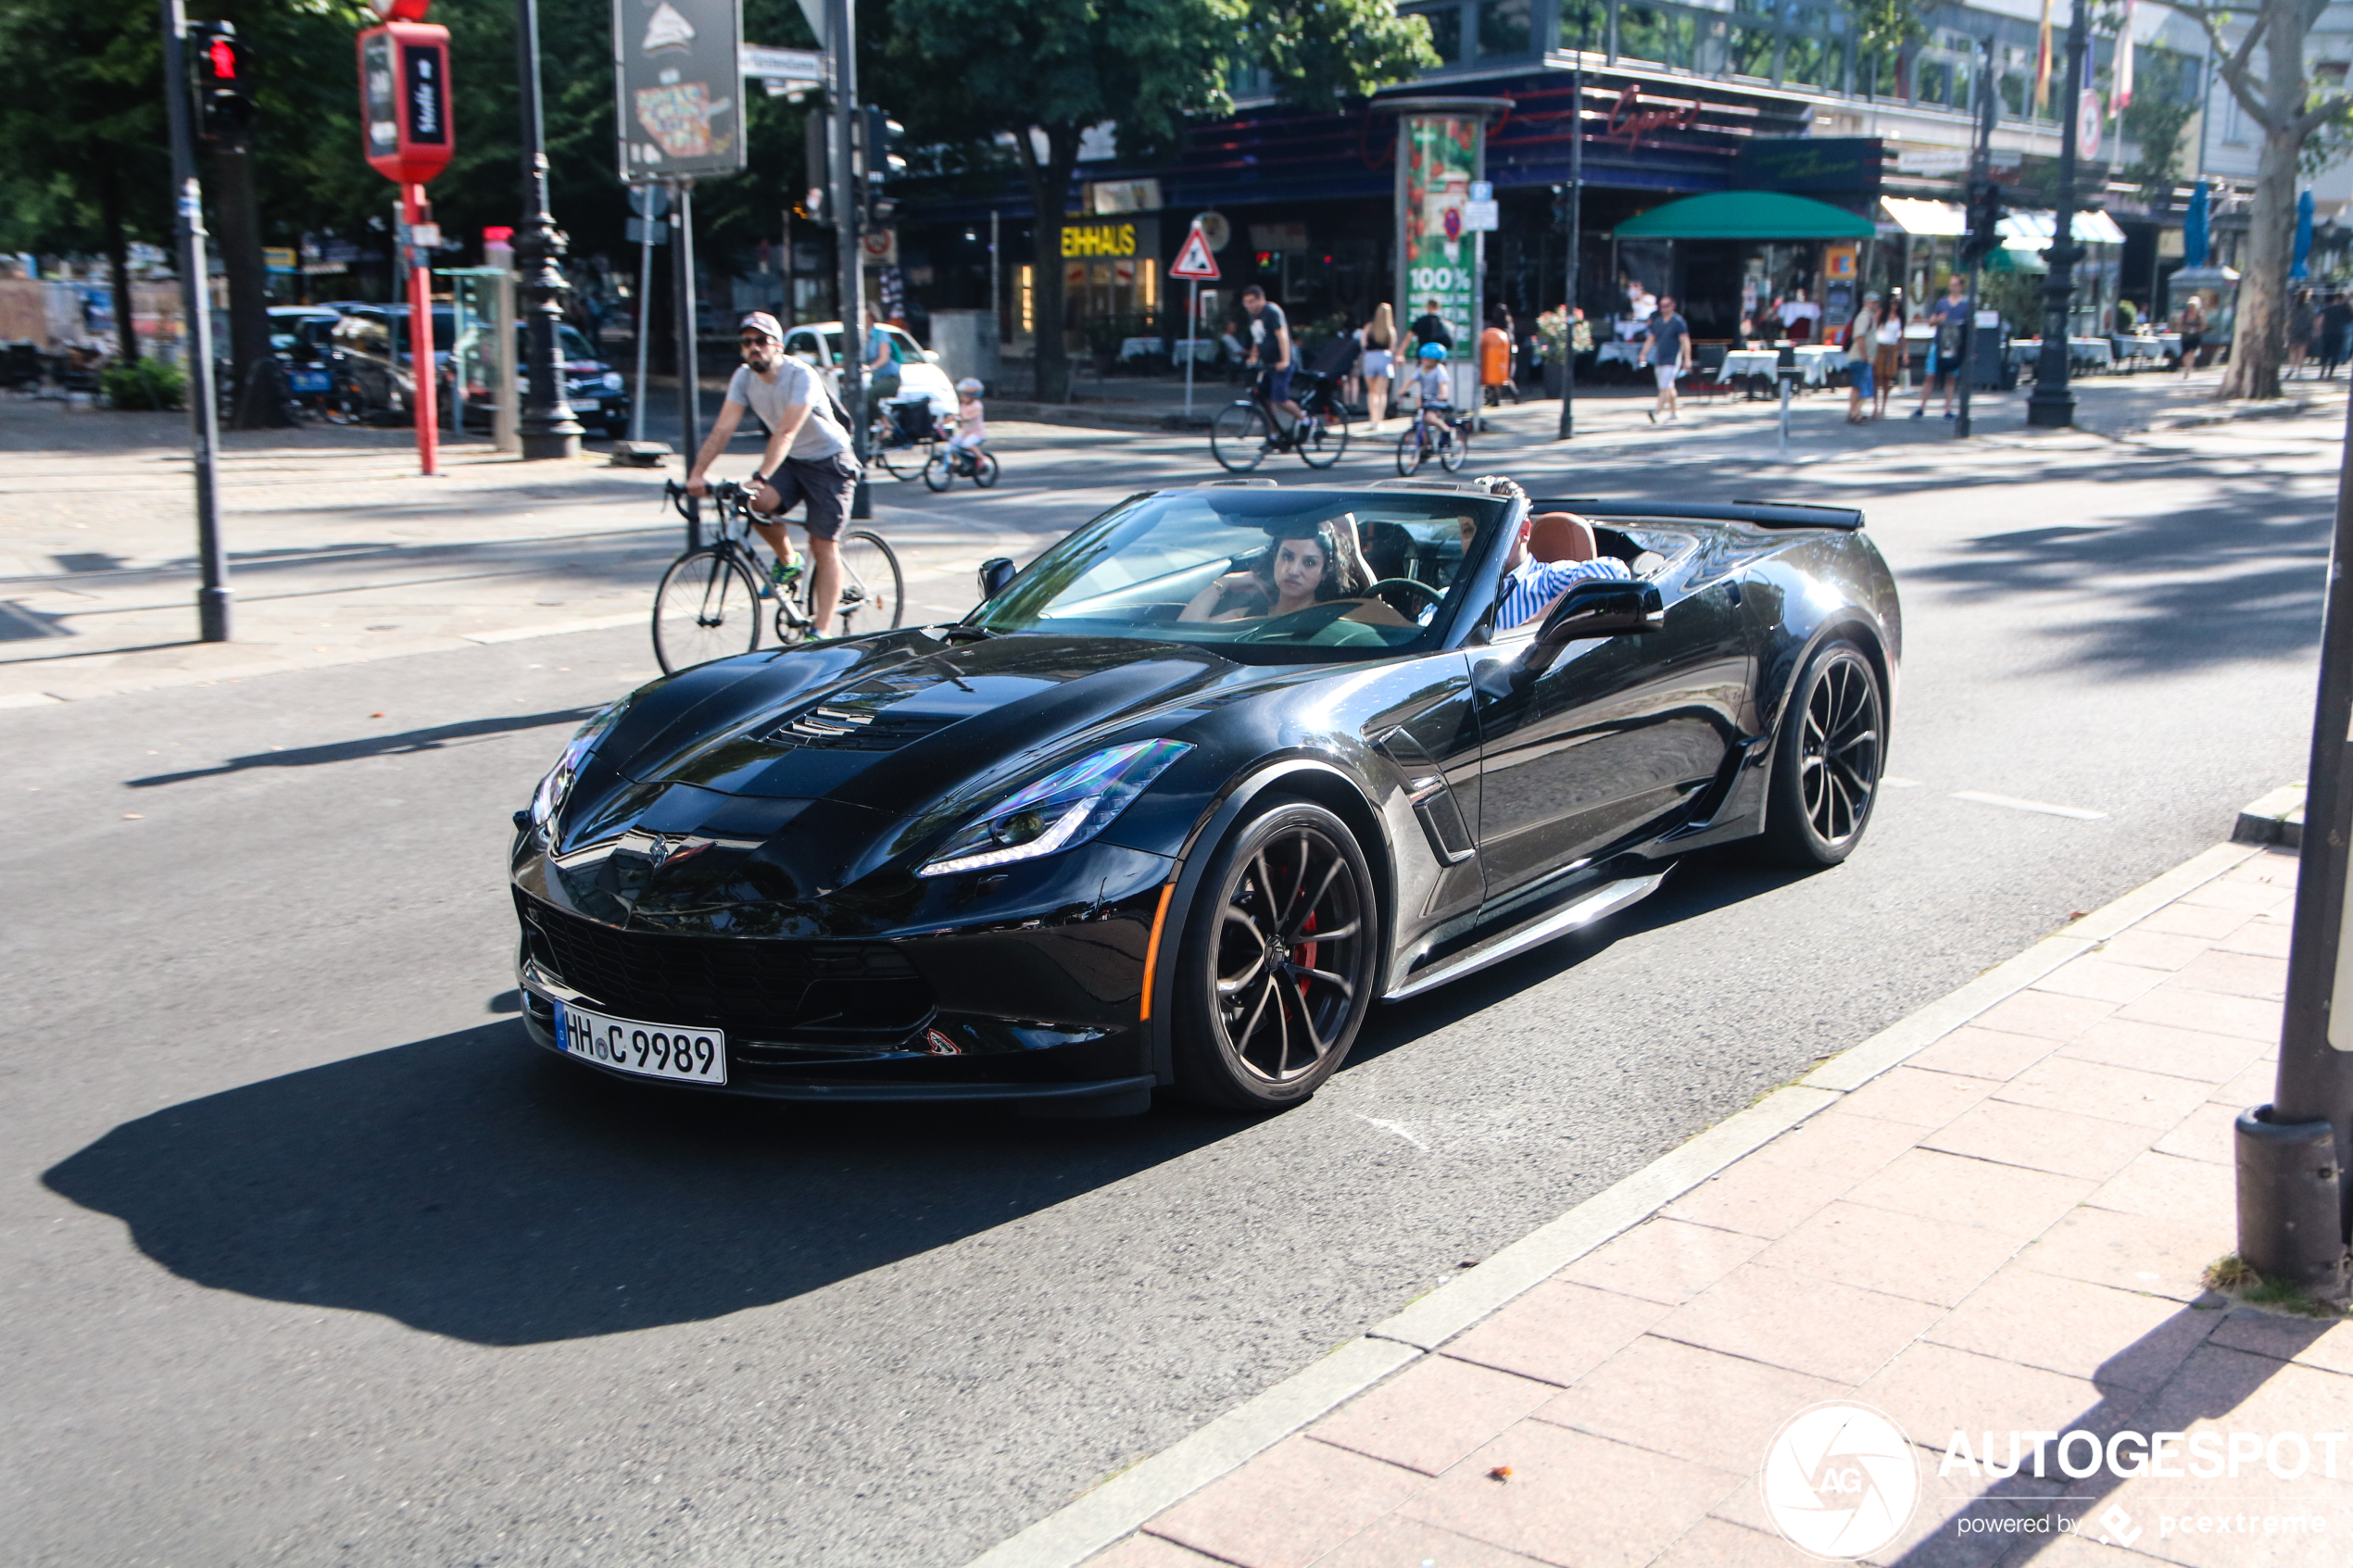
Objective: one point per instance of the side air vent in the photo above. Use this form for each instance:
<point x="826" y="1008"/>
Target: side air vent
<point x="855" y="729"/>
<point x="1434" y="804"/>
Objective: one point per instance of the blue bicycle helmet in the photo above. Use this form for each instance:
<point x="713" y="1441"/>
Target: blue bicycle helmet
<point x="1430" y="351"/>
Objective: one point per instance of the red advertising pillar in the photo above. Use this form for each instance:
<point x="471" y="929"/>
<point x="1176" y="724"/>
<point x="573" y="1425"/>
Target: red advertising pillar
<point x="404" y="132"/>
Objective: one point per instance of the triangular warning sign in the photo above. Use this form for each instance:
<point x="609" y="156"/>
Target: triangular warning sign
<point x="1194" y="260"/>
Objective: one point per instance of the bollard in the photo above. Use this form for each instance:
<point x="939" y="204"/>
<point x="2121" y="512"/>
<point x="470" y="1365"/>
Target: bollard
<point x="2288" y="1227"/>
<point x="1784" y="379"/>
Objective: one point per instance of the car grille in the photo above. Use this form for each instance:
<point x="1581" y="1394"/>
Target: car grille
<point x="753" y="990"/>
<point x="855" y="729"/>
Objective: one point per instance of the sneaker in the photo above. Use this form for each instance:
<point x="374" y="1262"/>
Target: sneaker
<point x="1948" y="413"/>
<point x="1919" y="413"/>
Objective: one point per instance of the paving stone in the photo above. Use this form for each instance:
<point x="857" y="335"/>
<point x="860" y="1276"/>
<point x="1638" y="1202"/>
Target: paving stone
<point x="1665" y="1260"/>
<point x="1780" y="1185"/>
<point x="1150" y="1551"/>
<point x="1817" y="1327"/>
<point x="2101" y="979"/>
<point x="1696" y="1404"/>
<point x="2254" y="1085"/>
<point x="2265" y="934"/>
<point x="1557" y="1332"/>
<point x="1432" y="1413"/>
<point x="1716" y="1543"/>
<point x="2224" y="893"/>
<point x="1405" y="1543"/>
<point x="1915" y="1097"/>
<point x="1934" y="1260"/>
<point x="2159" y="1047"/>
<point x="2152" y="949"/>
<point x="2236" y="974"/>
<point x="2244" y="1018"/>
<point x="1289" y="1506"/>
<point x="2193" y="920"/>
<point x="1984" y="1053"/>
<point x="2008" y="1199"/>
<point x="2204" y="1134"/>
<point x="2154" y="1255"/>
<point x="2114" y="1337"/>
<point x="1573" y="1499"/>
<point x="2308" y="1341"/>
<point x="2166" y="1186"/>
<point x="2105" y="1090"/>
<point x="2044" y="1014"/>
<point x="2057" y="1141"/>
<point x="1933" y="1390"/>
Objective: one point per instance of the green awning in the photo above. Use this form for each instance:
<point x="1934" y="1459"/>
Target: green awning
<point x="1747" y="215"/>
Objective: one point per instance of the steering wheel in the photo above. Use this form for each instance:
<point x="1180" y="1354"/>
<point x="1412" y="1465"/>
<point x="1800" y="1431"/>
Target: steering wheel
<point x="1436" y="595"/>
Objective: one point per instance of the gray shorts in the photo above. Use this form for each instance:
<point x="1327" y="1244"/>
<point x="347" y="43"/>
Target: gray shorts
<point x="824" y="484"/>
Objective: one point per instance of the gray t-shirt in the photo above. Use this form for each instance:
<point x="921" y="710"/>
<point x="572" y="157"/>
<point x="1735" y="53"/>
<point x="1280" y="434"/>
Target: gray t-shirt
<point x="819" y="437"/>
<point x="1667" y="339"/>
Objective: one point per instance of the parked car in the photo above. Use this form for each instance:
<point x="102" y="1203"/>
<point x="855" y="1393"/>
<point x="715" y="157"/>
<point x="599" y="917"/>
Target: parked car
<point x="373" y="342"/>
<point x="302" y="336"/>
<point x="597" y="393"/>
<point x="819" y="343"/>
<point x="371" y="349"/>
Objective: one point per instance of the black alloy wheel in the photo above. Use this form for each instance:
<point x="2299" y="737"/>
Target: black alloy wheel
<point x="1280" y="964"/>
<point x="1826" y="765"/>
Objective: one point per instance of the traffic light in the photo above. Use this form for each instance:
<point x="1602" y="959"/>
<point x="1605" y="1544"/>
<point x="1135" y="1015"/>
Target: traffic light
<point x="1986" y="211"/>
<point x="878" y="137"/>
<point x="222" y="85"/>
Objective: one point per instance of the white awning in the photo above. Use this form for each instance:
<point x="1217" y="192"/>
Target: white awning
<point x="2035" y="231"/>
<point x="1917" y="217"/>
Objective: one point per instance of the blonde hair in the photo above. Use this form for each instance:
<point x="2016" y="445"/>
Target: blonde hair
<point x="1382" y="333"/>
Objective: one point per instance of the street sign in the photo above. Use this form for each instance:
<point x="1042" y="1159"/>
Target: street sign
<point x="404" y="101"/>
<point x="879" y="247"/>
<point x="678" y="71"/>
<point x="1194" y="260"/>
<point x="1482" y="191"/>
<point x="2087" y="124"/>
<point x="804" y="68"/>
<point x="1483" y="215"/>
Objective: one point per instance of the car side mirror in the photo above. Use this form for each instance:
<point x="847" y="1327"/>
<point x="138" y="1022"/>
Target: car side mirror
<point x="1599" y="607"/>
<point x="997" y="574"/>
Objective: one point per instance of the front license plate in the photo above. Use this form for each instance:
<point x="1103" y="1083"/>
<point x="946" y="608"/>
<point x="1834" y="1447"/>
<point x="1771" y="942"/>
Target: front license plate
<point x="650" y="1050"/>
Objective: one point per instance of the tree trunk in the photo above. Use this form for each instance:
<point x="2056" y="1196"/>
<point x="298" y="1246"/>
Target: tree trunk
<point x="258" y="404"/>
<point x="2259" y="342"/>
<point x="126" y="332"/>
<point x="1049" y="189"/>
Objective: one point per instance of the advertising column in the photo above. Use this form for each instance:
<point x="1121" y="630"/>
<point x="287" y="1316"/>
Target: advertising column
<point x="1442" y="150"/>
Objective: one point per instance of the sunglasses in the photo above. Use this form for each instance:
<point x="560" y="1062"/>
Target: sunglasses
<point x="753" y="341"/>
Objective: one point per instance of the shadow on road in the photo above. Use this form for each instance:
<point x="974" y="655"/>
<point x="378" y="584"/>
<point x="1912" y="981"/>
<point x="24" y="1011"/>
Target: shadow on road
<point x="474" y="1186"/>
<point x="437" y="738"/>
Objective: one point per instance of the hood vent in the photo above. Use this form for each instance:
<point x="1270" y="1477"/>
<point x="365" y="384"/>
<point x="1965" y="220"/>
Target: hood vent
<point x="856" y="729"/>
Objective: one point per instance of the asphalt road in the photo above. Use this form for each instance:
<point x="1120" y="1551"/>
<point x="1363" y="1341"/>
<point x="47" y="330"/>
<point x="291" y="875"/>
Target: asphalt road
<point x="311" y="1258"/>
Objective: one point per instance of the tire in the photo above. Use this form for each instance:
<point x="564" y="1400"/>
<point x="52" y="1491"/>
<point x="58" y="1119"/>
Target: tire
<point x="903" y="462"/>
<point x="707" y="608"/>
<point x="1329" y="443"/>
<point x="1827" y="762"/>
<point x="874" y="592"/>
<point x="1456" y="452"/>
<point x="984" y="470"/>
<point x="1252" y="1035"/>
<point x="1237" y="437"/>
<point x="939" y="472"/>
<point x="1411" y="450"/>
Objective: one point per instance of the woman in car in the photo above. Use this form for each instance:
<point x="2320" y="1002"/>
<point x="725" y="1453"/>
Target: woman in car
<point x="1306" y="564"/>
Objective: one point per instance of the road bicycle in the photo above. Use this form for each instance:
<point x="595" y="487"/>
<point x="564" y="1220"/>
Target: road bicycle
<point x="708" y="604"/>
<point x="1244" y="431"/>
<point x="951" y="463"/>
<point x="1420" y="442"/>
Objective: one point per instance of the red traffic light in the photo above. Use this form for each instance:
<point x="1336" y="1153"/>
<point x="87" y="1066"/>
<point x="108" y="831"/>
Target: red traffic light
<point x="222" y="57"/>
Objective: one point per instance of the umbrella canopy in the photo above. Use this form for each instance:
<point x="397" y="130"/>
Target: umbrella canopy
<point x="1747" y="215"/>
<point x="2194" y="228"/>
<point x="2303" y="236"/>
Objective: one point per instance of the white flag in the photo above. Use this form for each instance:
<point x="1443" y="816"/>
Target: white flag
<point x="2121" y="94"/>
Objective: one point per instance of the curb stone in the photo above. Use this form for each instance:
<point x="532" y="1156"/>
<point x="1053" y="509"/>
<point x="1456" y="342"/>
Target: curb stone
<point x="1115" y="1509"/>
<point x="2278" y="818"/>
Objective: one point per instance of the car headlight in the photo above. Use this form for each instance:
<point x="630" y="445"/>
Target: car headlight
<point x="549" y="796"/>
<point x="1067" y="807"/>
<point x="613" y="380"/>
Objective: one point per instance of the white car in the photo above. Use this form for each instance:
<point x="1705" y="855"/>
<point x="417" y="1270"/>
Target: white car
<point x="819" y="343"/>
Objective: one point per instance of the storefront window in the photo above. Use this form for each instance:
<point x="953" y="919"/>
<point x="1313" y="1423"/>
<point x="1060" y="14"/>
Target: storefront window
<point x="1503" y="27"/>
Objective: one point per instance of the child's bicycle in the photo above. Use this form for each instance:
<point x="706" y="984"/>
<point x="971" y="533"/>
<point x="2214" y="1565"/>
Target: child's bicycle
<point x="708" y="604"/>
<point x="950" y="463"/>
<point x="1420" y="442"/>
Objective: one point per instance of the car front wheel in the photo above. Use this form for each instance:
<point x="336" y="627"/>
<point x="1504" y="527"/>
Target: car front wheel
<point x="1279" y="961"/>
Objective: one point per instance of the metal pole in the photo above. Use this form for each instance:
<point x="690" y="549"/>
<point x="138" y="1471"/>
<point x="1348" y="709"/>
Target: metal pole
<point x="2292" y="1152"/>
<point x="681" y="291"/>
<point x="548" y="428"/>
<point x="1784" y="375"/>
<point x="645" y="307"/>
<point x="1576" y="243"/>
<point x="1981" y="168"/>
<point x="2052" y="405"/>
<point x="841" y="33"/>
<point x="422" y="369"/>
<point x="1193" y="325"/>
<point x="195" y="300"/>
<point x="996" y="279"/>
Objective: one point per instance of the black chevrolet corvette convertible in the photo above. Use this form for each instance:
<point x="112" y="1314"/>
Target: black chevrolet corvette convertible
<point x="1184" y="798"/>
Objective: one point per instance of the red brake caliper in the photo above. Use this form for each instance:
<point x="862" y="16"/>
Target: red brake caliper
<point x="1304" y="957"/>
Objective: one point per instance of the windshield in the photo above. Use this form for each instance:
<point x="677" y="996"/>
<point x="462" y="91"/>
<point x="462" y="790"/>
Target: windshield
<point x="1261" y="569"/>
<point x="570" y="344"/>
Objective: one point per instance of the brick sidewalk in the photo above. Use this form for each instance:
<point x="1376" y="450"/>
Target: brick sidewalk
<point x="2003" y="1230"/>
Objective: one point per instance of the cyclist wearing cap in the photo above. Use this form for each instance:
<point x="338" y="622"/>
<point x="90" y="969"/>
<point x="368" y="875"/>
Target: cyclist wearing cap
<point x="807" y="457"/>
<point x="1270" y="349"/>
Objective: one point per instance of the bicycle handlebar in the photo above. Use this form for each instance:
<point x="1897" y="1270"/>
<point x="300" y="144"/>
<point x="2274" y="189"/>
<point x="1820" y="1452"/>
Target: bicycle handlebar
<point x="726" y="492"/>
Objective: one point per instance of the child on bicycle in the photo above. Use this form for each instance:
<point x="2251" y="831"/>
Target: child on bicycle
<point x="1434" y="392"/>
<point x="972" y="423"/>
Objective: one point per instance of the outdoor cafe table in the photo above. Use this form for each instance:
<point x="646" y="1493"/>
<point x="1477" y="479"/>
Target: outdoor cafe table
<point x="1818" y="360"/>
<point x="1629" y="353"/>
<point x="2024" y="351"/>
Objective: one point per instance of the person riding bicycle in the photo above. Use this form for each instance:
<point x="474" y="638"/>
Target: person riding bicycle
<point x="808" y="458"/>
<point x="1434" y="392"/>
<point x="972" y="422"/>
<point x="1270" y="348"/>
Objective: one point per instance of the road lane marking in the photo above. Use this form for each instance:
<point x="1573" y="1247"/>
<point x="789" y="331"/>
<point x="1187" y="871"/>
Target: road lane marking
<point x="1892" y="782"/>
<point x="554" y="629"/>
<point x="1397" y="1127"/>
<point x="2078" y="812"/>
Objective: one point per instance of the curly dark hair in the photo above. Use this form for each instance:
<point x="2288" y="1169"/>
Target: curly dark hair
<point x="1346" y="576"/>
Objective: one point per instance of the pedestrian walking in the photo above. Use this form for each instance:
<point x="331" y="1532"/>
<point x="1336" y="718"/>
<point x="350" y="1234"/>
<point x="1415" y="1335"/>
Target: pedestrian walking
<point x="1862" y="344"/>
<point x="2301" y="320"/>
<point x="1495" y="358"/>
<point x="1887" y="351"/>
<point x="1949" y="316"/>
<point x="1666" y="349"/>
<point x="2336" y="327"/>
<point x="1430" y="327"/>
<point x="2193" y="329"/>
<point x="1380" y="338"/>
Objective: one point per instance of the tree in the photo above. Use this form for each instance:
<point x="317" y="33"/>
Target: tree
<point x="2282" y="102"/>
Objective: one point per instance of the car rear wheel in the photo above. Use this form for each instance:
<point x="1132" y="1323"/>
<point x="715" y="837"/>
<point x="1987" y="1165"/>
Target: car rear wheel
<point x="1826" y="765"/>
<point x="1279" y="962"/>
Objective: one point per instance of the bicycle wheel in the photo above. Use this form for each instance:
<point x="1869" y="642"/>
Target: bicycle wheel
<point x="1237" y="437"/>
<point x="1411" y="450"/>
<point x="985" y="469"/>
<point x="874" y="593"/>
<point x="707" y="608"/>
<point x="1456" y="452"/>
<point x="905" y="460"/>
<point x="940" y="470"/>
<point x="1323" y="439"/>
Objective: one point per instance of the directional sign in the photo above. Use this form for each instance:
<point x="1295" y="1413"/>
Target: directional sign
<point x="1194" y="261"/>
<point x="786" y="64"/>
<point x="1479" y="215"/>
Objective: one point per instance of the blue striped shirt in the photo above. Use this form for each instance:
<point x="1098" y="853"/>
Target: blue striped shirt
<point x="1537" y="584"/>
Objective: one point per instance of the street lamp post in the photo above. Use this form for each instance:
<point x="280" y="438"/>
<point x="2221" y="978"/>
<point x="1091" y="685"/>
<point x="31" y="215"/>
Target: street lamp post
<point x="1576" y="242"/>
<point x="546" y="426"/>
<point x="2052" y="403"/>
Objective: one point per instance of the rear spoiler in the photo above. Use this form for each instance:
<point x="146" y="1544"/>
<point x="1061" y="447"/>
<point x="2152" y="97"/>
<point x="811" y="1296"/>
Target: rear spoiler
<point x="1763" y="514"/>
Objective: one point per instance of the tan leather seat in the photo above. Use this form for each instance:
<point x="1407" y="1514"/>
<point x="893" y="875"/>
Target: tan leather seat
<point x="1550" y="537"/>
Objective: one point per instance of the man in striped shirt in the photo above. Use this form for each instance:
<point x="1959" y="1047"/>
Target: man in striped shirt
<point x="1529" y="585"/>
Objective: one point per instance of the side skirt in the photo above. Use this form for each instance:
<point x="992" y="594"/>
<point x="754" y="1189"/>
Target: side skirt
<point x="1602" y="900"/>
